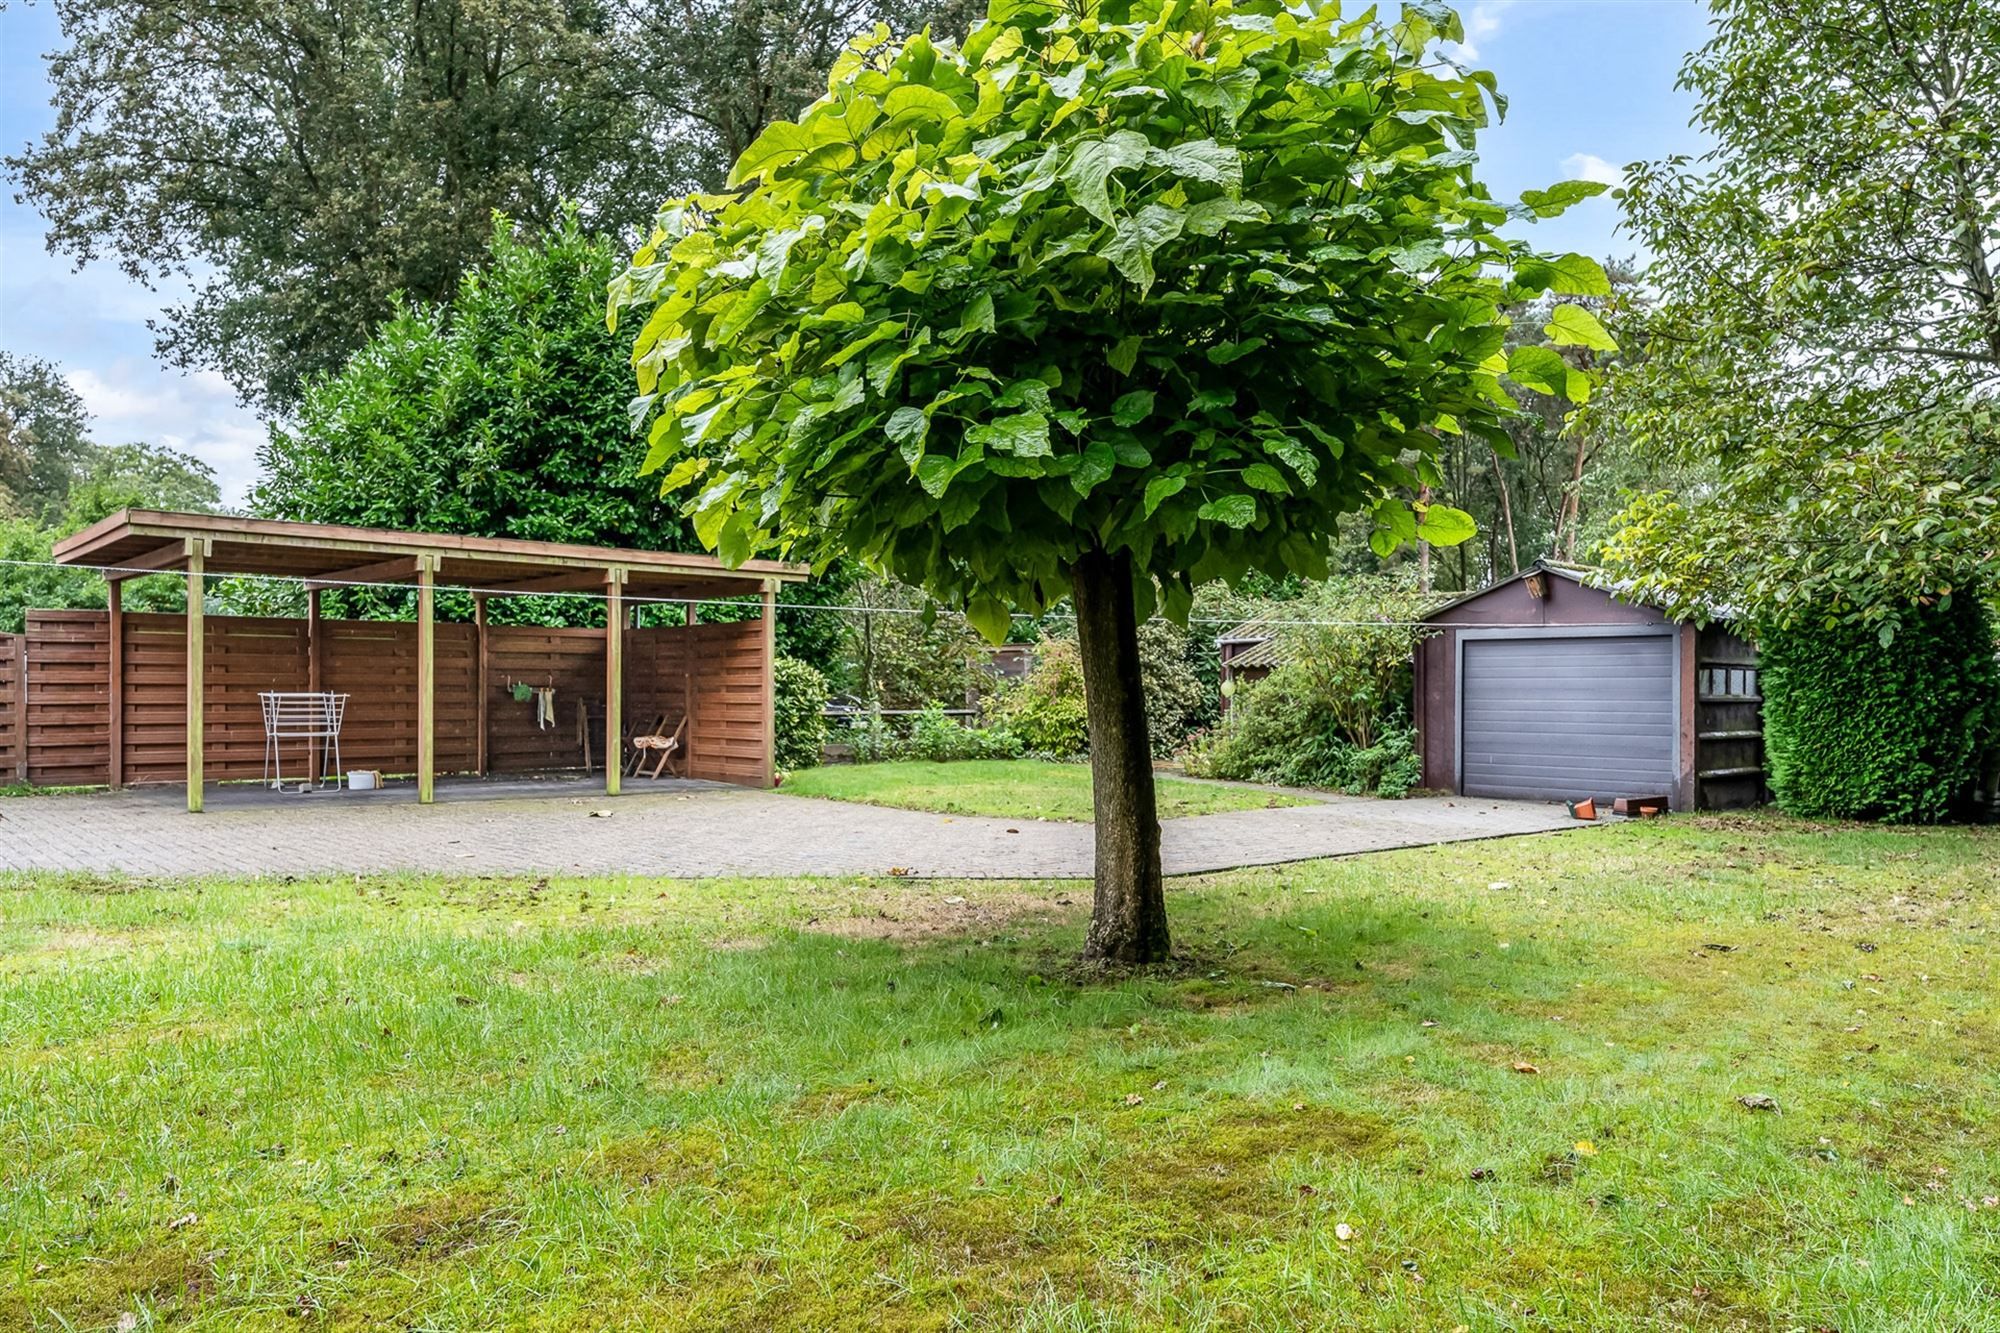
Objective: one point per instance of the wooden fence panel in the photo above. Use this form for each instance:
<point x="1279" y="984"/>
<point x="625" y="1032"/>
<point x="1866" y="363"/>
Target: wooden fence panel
<point x="374" y="663"/>
<point x="724" y="669"/>
<point x="569" y="661"/>
<point x="68" y="693"/>
<point x="13" y="750"/>
<point x="56" y="711"/>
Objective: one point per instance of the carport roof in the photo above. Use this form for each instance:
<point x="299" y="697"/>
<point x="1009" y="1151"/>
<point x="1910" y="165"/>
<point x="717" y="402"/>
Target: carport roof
<point x="143" y="541"/>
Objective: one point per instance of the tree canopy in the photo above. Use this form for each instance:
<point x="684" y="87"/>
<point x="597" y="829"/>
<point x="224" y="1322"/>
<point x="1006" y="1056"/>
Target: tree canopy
<point x="303" y="162"/>
<point x="504" y="414"/>
<point x="1828" y="325"/>
<point x="1183" y="282"/>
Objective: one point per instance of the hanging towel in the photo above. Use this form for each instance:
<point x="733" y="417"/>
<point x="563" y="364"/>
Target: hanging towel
<point x="545" y="707"/>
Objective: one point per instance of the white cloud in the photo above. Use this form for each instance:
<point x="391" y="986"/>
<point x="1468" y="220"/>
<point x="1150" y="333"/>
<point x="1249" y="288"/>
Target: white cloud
<point x="1480" y="22"/>
<point x="136" y="399"/>
<point x="1591" y="167"/>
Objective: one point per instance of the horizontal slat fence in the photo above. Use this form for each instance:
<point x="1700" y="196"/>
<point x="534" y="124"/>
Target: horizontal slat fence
<point x="723" y="668"/>
<point x="13" y="751"/>
<point x="55" y="695"/>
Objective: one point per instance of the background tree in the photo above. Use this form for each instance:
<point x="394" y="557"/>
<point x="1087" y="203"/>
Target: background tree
<point x="1110" y="301"/>
<point x="65" y="483"/>
<point x="43" y="438"/>
<point x="305" y="161"/>
<point x="1827" y="320"/>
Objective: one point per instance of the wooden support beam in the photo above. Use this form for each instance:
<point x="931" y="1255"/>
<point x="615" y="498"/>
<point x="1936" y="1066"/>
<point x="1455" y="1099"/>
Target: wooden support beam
<point x="426" y="679"/>
<point x="114" y="703"/>
<point x="479" y="635"/>
<point x="770" y="683"/>
<point x="196" y="553"/>
<point x="399" y="570"/>
<point x="167" y="557"/>
<point x="614" y="677"/>
<point x="580" y="580"/>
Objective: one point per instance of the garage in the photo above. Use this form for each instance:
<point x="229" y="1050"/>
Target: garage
<point x="1546" y="687"/>
<point x="1555" y="716"/>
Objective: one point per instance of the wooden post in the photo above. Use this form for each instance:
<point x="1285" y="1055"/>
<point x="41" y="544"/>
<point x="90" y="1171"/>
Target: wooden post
<point x="770" y="683"/>
<point x="426" y="679"/>
<point x="614" y="677"/>
<point x="198" y="549"/>
<point x="687" y="694"/>
<point x="115" y="698"/>
<point x="316" y="751"/>
<point x="479" y="635"/>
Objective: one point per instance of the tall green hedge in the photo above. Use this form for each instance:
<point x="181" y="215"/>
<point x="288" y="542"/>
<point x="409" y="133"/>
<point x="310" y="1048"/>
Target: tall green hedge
<point x="1856" y="729"/>
<point x="799" y="699"/>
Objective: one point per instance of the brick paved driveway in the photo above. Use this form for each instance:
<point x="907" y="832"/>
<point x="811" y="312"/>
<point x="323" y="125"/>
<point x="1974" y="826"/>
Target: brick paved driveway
<point x="687" y="829"/>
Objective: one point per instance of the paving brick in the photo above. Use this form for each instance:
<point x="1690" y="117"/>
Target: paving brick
<point x="683" y="831"/>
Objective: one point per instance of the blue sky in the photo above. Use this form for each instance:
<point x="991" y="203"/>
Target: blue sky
<point x="1591" y="83"/>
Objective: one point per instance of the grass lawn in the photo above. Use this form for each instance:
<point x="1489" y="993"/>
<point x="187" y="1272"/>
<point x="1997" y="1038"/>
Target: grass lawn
<point x="1493" y="1086"/>
<point x="1009" y="788"/>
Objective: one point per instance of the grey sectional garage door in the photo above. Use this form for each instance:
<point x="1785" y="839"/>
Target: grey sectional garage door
<point x="1568" y="717"/>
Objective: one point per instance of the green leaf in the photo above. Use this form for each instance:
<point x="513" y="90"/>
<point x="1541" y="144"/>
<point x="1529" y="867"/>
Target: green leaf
<point x="1134" y="241"/>
<point x="1025" y="435"/>
<point x="989" y="616"/>
<point x="1573" y="326"/>
<point x="683" y="472"/>
<point x="1091" y="162"/>
<point x="1124" y="355"/>
<point x="1133" y="408"/>
<point x="907" y="427"/>
<point x="1210" y="216"/>
<point x="1159" y="488"/>
<point x="1236" y="511"/>
<point x="914" y="101"/>
<point x="1552" y="201"/>
<point x="1202" y="160"/>
<point x="1540" y="368"/>
<point x="1266" y="478"/>
<point x="1565" y="275"/>
<point x="1441" y="525"/>
<point x="978" y="317"/>
<point x="1099" y="462"/>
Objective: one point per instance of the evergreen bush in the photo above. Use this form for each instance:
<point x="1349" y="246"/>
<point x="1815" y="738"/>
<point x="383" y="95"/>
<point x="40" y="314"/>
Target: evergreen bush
<point x="1858" y="729"/>
<point x="799" y="700"/>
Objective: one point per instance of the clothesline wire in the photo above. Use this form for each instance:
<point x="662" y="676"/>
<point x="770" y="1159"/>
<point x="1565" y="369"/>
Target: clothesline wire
<point x="744" y="602"/>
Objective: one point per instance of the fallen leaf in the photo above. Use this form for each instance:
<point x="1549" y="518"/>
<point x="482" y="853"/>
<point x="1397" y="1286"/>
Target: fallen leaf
<point x="1585" y="1148"/>
<point x="1133" y="1099"/>
<point x="184" y="1220"/>
<point x="594" y="814"/>
<point x="954" y="899"/>
<point x="127" y="1322"/>
<point x="1759" y="1101"/>
<point x="1342" y="1231"/>
<point x="899" y="871"/>
<point x="1523" y="1067"/>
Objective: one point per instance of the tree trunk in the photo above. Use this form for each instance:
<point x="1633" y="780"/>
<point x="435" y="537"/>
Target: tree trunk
<point x="1128" y="915"/>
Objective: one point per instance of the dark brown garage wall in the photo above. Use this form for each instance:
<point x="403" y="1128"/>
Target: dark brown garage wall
<point x="1568" y="603"/>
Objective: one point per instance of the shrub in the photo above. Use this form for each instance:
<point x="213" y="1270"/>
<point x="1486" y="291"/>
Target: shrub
<point x="1335" y="713"/>
<point x="799" y="700"/>
<point x="940" y="739"/>
<point x="1045" y="711"/>
<point x="1173" y="691"/>
<point x="1856" y="729"/>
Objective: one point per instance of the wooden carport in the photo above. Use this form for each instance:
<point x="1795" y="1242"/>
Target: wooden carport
<point x="135" y="543"/>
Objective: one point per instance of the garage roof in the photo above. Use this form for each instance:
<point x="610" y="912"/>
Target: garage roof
<point x="133" y="542"/>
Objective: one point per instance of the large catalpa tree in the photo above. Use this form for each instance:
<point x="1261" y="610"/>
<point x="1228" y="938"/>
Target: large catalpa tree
<point x="1110" y="300"/>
